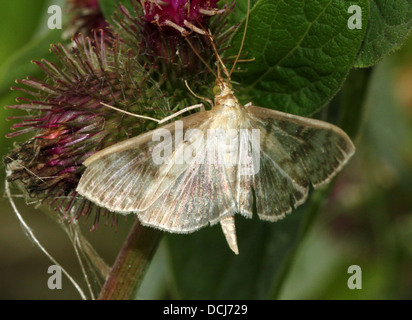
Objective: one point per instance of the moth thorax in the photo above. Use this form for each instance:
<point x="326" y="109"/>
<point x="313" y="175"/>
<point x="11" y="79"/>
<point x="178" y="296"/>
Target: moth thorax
<point x="226" y="100"/>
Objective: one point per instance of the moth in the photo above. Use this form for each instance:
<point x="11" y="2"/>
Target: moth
<point x="292" y="153"/>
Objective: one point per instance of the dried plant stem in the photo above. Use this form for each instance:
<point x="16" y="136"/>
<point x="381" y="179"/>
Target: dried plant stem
<point x="131" y="263"/>
<point x="33" y="238"/>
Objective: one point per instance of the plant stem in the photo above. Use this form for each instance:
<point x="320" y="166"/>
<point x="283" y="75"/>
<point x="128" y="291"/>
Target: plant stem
<point x="131" y="264"/>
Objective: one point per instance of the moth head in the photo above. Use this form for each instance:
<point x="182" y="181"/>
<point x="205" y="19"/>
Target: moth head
<point x="224" y="95"/>
<point x="222" y="89"/>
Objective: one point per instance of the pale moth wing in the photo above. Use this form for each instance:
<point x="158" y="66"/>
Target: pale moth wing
<point x="124" y="177"/>
<point x="294" y="153"/>
<point x="201" y="195"/>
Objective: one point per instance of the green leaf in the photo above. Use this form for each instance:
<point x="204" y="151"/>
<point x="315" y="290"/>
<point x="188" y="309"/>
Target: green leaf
<point x="389" y="25"/>
<point x="303" y="52"/>
<point x="108" y="7"/>
<point x="239" y="11"/>
<point x="20" y="20"/>
<point x="205" y="268"/>
<point x="353" y="95"/>
<point x="19" y="65"/>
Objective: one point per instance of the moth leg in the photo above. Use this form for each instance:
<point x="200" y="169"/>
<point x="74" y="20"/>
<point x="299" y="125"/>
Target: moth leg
<point x="229" y="230"/>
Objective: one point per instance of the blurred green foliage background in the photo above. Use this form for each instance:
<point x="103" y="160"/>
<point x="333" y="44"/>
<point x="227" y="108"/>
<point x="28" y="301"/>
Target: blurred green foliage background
<point x="367" y="220"/>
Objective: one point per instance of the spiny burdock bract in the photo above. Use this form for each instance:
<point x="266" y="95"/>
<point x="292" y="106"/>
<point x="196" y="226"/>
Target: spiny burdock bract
<point x="138" y="64"/>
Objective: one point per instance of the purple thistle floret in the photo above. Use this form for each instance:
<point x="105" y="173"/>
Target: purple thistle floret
<point x="176" y="12"/>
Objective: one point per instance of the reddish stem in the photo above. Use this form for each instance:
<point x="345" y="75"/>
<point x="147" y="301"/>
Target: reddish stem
<point x="131" y="264"/>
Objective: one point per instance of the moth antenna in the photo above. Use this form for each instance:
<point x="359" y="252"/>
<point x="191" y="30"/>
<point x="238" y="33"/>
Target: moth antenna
<point x="200" y="57"/>
<point x="243" y="38"/>
<point x="219" y="60"/>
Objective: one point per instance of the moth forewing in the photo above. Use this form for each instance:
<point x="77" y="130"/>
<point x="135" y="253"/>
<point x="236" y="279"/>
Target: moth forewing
<point x="128" y="177"/>
<point x="295" y="152"/>
<point x="201" y="195"/>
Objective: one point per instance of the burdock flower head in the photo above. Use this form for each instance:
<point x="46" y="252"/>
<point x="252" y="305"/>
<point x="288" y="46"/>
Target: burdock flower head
<point x="67" y="115"/>
<point x="164" y="27"/>
<point x="70" y="123"/>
